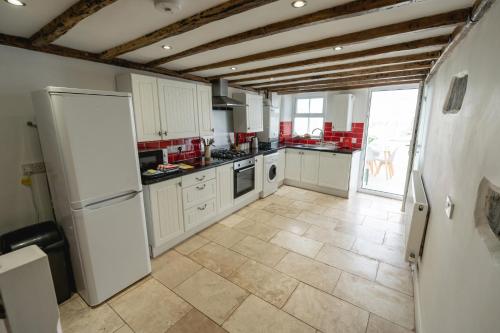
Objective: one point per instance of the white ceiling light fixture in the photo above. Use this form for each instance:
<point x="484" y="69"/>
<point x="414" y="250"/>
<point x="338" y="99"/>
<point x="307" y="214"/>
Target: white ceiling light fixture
<point x="167" y="47"/>
<point x="338" y="48"/>
<point x="299" y="3"/>
<point x="16" y="3"/>
<point x="168" y="6"/>
<point x="233" y="68"/>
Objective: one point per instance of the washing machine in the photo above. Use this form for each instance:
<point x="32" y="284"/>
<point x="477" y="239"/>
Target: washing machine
<point x="270" y="175"/>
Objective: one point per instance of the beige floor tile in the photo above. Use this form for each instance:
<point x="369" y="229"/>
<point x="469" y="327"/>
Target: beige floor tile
<point x="267" y="283"/>
<point x="150" y="307"/>
<point x="394" y="240"/>
<point x="331" y="237"/>
<point x="222" y="235"/>
<point x="325" y="312"/>
<point x="300" y="196"/>
<point x="124" y="329"/>
<point x="377" y="324"/>
<point x="218" y="259"/>
<point x="395" y="217"/>
<point x="317" y="220"/>
<point x="257" y="229"/>
<point x="309" y="207"/>
<point x="211" y="294"/>
<point x="232" y="220"/>
<point x="387" y="303"/>
<point x="258" y="250"/>
<point x="344" y="215"/>
<point x="280" y="200"/>
<point x="195" y="322"/>
<point x="375" y="211"/>
<point x="173" y="268"/>
<point x="395" y="278"/>
<point x="260" y="215"/>
<point x="259" y="204"/>
<point x="288" y="224"/>
<point x="383" y="253"/>
<point x="299" y="244"/>
<point x="77" y="317"/>
<point x="191" y="244"/>
<point x="348" y="261"/>
<point x="286" y="211"/>
<point x="383" y="225"/>
<point x="361" y="231"/>
<point x="309" y="271"/>
<point x="256" y="315"/>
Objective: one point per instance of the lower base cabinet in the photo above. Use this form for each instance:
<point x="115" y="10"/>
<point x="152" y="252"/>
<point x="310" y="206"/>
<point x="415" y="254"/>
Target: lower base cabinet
<point x="334" y="170"/>
<point x="199" y="214"/>
<point x="225" y="187"/>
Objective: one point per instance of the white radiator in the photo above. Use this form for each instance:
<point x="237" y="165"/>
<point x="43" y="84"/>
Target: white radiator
<point x="415" y="217"/>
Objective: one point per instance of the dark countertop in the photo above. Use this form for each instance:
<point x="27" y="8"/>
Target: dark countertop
<point x="317" y="148"/>
<point x="200" y="163"/>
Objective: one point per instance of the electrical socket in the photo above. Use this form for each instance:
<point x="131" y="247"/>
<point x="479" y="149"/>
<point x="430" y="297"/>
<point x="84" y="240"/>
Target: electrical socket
<point x="33" y="168"/>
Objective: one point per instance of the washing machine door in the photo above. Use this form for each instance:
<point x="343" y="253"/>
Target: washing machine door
<point x="272" y="173"/>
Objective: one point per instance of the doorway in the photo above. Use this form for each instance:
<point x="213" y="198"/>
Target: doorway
<point x="390" y="128"/>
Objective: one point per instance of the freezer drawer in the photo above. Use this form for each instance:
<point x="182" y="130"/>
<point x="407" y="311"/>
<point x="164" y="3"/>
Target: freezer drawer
<point x="112" y="241"/>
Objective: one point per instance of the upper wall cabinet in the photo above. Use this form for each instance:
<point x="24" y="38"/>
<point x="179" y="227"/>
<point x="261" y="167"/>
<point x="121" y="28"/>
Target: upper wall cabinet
<point x="248" y="119"/>
<point x="205" y="113"/>
<point x="340" y="108"/>
<point x="144" y="90"/>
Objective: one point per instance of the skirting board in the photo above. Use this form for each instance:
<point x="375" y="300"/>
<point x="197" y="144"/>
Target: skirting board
<point x="321" y="189"/>
<point x="416" y="297"/>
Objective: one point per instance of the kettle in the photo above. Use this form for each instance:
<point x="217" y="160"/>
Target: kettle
<point x="255" y="143"/>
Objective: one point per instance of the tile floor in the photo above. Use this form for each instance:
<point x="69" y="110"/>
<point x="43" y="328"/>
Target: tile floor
<point x="297" y="261"/>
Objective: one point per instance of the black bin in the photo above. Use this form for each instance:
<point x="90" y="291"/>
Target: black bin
<point x="50" y="239"/>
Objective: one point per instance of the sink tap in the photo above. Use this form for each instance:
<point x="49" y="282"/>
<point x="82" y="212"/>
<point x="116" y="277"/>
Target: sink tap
<point x="322" y="135"/>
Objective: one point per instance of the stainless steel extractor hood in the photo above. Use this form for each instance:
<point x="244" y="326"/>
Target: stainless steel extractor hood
<point x="220" y="97"/>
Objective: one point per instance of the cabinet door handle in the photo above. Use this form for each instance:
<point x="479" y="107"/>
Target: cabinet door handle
<point x="200" y="178"/>
<point x="202" y="207"/>
<point x="166" y="133"/>
<point x="201" y="187"/>
<point x="159" y="133"/>
<point x="213" y="129"/>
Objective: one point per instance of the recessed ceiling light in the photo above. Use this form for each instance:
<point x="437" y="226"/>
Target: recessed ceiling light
<point x="299" y="3"/>
<point x="272" y="79"/>
<point x="233" y="68"/>
<point x="167" y="47"/>
<point x="338" y="48"/>
<point x="15" y="2"/>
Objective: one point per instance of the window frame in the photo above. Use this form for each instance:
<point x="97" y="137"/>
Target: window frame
<point x="309" y="115"/>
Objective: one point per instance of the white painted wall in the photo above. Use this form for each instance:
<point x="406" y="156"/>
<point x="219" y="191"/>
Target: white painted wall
<point x="459" y="282"/>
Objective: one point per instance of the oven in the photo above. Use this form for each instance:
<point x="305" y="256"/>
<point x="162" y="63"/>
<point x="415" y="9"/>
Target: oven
<point x="244" y="176"/>
<point x="150" y="159"/>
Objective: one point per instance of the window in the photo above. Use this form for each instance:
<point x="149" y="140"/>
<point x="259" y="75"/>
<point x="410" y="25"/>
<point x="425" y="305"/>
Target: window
<point x="308" y="115"/>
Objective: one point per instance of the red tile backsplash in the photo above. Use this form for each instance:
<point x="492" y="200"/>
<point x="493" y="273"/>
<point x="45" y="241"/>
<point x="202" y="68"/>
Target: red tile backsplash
<point x="192" y="148"/>
<point x="244" y="137"/>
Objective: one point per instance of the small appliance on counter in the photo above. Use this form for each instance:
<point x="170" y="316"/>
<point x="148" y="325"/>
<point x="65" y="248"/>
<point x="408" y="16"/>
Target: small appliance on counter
<point x="154" y="164"/>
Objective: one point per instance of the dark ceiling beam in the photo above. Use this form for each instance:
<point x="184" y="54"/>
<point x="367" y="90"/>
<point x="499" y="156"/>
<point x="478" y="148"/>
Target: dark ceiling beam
<point x="362" y="85"/>
<point x="407" y="46"/>
<point x="367" y="63"/>
<point x="382" y="69"/>
<point x="353" y="83"/>
<point x="350" y="9"/>
<point x="219" y="12"/>
<point x="67" y="20"/>
<point x="424" y="23"/>
<point x="376" y="76"/>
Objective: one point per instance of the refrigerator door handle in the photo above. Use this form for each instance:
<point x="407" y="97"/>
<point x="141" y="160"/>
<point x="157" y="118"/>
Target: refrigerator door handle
<point x="112" y="201"/>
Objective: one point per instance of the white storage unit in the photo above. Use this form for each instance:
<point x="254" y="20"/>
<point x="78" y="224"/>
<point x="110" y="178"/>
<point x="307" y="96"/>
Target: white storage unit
<point x="205" y="112"/>
<point x="281" y="166"/>
<point x="225" y="187"/>
<point x="340" y="108"/>
<point x="333" y="169"/>
<point x="259" y="173"/>
<point x="293" y="165"/>
<point x="199" y="192"/>
<point x="248" y="119"/>
<point x="309" y="167"/>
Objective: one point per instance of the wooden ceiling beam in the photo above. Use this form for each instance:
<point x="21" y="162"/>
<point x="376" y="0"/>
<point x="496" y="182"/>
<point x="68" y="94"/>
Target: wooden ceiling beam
<point x="424" y="23"/>
<point x="67" y="20"/>
<point x="219" y="12"/>
<point x="367" y="63"/>
<point x="350" y="9"/>
<point x="407" y="46"/>
<point x="354" y="83"/>
<point x="376" y="76"/>
<point x="382" y="69"/>
<point x="363" y="85"/>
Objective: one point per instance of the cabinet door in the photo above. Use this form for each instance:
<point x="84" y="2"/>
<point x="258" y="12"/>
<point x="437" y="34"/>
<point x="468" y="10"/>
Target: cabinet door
<point x="255" y="113"/>
<point x="334" y="170"/>
<point x="342" y="107"/>
<point x="281" y="165"/>
<point x="146" y="109"/>
<point x="178" y="109"/>
<point x="166" y="211"/>
<point x="293" y="164"/>
<point x="205" y="113"/>
<point x="259" y="172"/>
<point x="225" y="187"/>
<point x="309" y="167"/>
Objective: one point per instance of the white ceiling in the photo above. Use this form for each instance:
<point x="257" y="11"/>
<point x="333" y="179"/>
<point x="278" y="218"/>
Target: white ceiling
<point x="128" y="19"/>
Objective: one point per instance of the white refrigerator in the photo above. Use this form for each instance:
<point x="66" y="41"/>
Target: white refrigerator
<point x="90" y="152"/>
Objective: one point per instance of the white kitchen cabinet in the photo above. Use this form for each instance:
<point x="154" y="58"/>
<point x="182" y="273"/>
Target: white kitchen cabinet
<point x="205" y="112"/>
<point x="281" y="165"/>
<point x="309" y="167"/>
<point x="259" y="172"/>
<point x="340" y="108"/>
<point x="164" y="212"/>
<point x="196" y="194"/>
<point x="199" y="214"/>
<point x="334" y="170"/>
<point x="225" y="187"/>
<point x="293" y="164"/>
<point x="248" y="118"/>
<point x="144" y="91"/>
<point x="178" y="109"/>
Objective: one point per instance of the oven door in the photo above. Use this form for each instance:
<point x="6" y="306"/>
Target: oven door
<point x="244" y="181"/>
